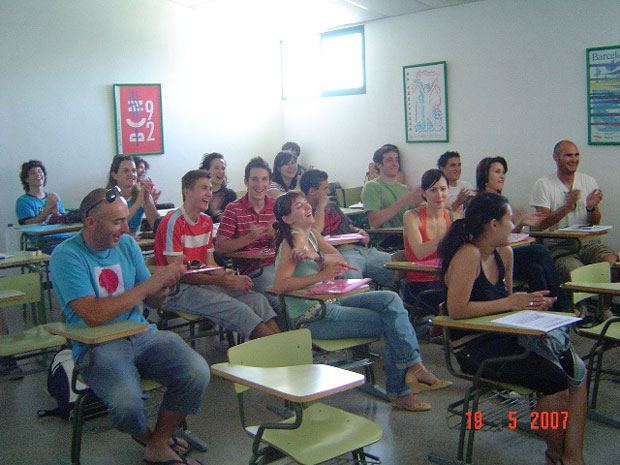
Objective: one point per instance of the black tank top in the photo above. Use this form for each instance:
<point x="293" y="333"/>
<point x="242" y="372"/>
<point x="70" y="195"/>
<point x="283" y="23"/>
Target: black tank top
<point x="483" y="291"/>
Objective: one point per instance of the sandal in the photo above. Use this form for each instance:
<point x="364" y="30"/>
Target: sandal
<point x="417" y="386"/>
<point x="176" y="446"/>
<point x="421" y="406"/>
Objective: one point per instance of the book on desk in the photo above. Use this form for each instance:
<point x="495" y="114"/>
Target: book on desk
<point x="337" y="286"/>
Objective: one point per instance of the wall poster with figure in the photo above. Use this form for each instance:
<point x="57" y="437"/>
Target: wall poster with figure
<point x="426" y="103"/>
<point x="603" y="68"/>
<point x="138" y="119"/>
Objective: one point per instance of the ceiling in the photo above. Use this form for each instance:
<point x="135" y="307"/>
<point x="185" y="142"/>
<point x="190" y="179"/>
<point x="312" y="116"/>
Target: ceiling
<point x="317" y="15"/>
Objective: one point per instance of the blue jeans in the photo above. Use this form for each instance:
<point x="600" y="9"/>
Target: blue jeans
<point x="373" y="314"/>
<point x="159" y="355"/>
<point x="369" y="261"/>
<point x="264" y="280"/>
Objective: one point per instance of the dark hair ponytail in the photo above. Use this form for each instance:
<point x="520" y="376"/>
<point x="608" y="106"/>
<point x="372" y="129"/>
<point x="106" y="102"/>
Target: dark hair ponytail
<point x="483" y="208"/>
<point x="281" y="208"/>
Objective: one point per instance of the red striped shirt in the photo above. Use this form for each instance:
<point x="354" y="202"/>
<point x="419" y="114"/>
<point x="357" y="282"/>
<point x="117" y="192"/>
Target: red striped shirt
<point x="236" y="221"/>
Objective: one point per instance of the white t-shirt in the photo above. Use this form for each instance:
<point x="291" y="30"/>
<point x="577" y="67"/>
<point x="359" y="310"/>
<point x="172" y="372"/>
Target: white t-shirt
<point x="454" y="192"/>
<point x="550" y="192"/>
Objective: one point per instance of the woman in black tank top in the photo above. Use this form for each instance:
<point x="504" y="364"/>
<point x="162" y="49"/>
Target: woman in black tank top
<point x="477" y="273"/>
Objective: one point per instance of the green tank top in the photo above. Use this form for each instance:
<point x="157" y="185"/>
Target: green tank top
<point x="296" y="306"/>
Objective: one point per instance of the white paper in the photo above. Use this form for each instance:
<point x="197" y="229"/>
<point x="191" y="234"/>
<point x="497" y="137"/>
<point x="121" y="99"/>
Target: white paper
<point x="541" y="321"/>
<point x="585" y="228"/>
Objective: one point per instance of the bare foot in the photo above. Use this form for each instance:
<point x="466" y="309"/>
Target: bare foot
<point x="424" y="376"/>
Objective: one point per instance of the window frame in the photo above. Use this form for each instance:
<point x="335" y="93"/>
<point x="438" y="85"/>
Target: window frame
<point x="336" y="92"/>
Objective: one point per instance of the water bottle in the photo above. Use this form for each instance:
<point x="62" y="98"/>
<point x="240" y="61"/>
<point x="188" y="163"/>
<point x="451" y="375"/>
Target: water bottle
<point x="11" y="242"/>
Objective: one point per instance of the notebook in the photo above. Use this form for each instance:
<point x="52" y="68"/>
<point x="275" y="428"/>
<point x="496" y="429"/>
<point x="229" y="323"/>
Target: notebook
<point x="204" y="269"/>
<point x="338" y="286"/>
<point x="344" y="237"/>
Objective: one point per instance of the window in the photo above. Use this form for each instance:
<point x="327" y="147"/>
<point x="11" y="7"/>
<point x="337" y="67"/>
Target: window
<point x="331" y="63"/>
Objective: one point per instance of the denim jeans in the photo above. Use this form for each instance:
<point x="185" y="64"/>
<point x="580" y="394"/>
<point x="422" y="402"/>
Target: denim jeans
<point x="263" y="281"/>
<point x="369" y="261"/>
<point x="372" y="314"/>
<point x="158" y="355"/>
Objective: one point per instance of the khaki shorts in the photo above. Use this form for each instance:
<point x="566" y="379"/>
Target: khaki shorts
<point x="567" y="258"/>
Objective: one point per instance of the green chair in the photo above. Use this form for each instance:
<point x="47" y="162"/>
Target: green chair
<point x="363" y="357"/>
<point x="317" y="433"/>
<point x="606" y="336"/>
<point x="92" y="336"/>
<point x="352" y="195"/>
<point x="484" y="399"/>
<point x="33" y="342"/>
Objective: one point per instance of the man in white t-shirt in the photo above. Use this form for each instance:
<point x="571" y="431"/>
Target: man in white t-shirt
<point x="450" y="165"/>
<point x="568" y="198"/>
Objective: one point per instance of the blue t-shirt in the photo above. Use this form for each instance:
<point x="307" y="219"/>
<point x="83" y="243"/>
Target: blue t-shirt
<point x="28" y="206"/>
<point x="136" y="220"/>
<point x="80" y="271"/>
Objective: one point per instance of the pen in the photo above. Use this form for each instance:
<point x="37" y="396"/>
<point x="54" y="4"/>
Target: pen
<point x="350" y="267"/>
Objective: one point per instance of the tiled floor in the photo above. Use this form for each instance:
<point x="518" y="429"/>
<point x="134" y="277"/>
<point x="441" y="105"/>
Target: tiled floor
<point x="408" y="437"/>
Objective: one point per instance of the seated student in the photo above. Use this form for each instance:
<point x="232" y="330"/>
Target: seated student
<point x="285" y="176"/>
<point x="295" y="149"/>
<point x="424" y="227"/>
<point x="99" y="276"/>
<point x="123" y="174"/>
<point x="142" y="167"/>
<point x="215" y="165"/>
<point x="246" y="225"/>
<point x="385" y="199"/>
<point x="37" y="205"/>
<point x="329" y="220"/>
<point x="305" y="259"/>
<point x="186" y="234"/>
<point x="450" y="164"/>
<point x="477" y="271"/>
<point x="567" y="198"/>
<point x="532" y="263"/>
<point x="373" y="171"/>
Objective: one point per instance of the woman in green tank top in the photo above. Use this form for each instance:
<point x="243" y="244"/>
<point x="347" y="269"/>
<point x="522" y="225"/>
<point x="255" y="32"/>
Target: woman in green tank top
<point x="305" y="259"/>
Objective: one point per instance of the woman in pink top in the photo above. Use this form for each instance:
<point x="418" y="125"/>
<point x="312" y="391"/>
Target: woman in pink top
<point x="424" y="227"/>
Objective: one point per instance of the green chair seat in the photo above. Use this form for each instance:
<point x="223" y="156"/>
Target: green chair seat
<point x="30" y="340"/>
<point x="326" y="432"/>
<point x="613" y="332"/>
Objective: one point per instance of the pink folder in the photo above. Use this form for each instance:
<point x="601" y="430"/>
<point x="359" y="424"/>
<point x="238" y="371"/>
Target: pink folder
<point x="337" y="286"/>
<point x="344" y="237"/>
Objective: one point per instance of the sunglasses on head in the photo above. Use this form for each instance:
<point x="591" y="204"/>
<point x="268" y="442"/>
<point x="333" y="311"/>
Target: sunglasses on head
<point x="110" y="196"/>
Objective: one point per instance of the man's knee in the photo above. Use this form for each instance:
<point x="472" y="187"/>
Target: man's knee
<point x="126" y="408"/>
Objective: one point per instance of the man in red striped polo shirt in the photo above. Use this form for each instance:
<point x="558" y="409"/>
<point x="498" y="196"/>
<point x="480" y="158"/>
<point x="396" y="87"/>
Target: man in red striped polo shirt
<point x="225" y="298"/>
<point x="246" y="224"/>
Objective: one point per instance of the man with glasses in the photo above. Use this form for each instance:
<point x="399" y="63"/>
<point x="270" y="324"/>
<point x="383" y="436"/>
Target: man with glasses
<point x="223" y="297"/>
<point x="99" y="276"/>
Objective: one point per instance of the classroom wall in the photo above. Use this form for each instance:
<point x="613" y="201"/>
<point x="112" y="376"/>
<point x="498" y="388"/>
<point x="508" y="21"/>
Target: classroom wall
<point x="516" y="85"/>
<point x="59" y="59"/>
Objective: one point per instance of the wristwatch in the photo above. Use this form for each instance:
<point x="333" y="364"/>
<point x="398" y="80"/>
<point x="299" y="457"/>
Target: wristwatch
<point x="590" y="210"/>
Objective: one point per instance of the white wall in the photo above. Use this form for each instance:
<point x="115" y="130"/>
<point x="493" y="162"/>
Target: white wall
<point x="516" y="85"/>
<point x="59" y="59"/>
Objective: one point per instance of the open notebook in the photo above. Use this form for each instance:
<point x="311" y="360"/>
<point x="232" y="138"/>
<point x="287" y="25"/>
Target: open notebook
<point x="338" y="286"/>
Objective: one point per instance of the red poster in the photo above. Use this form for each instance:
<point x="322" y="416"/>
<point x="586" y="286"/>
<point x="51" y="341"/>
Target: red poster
<point x="139" y="129"/>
